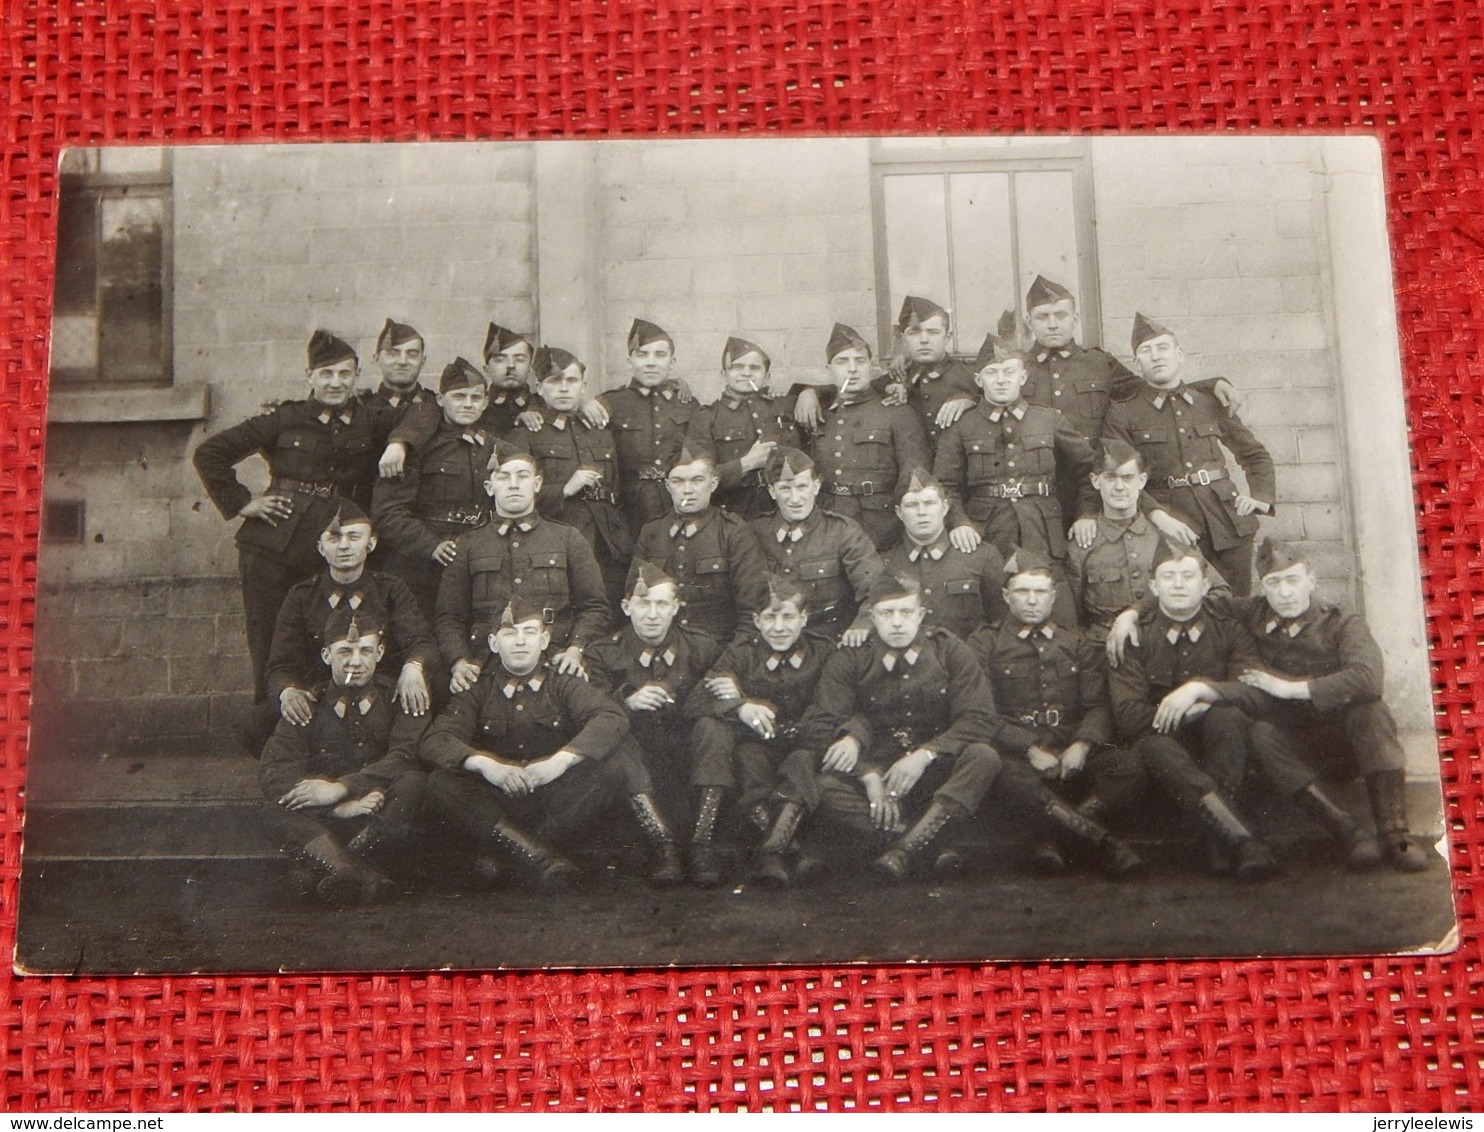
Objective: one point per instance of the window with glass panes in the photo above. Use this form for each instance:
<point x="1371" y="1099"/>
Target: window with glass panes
<point x="971" y="222"/>
<point x="111" y="316"/>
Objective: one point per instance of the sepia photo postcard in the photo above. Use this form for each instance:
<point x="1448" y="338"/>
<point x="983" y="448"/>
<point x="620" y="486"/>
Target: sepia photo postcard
<point x="727" y="552"/>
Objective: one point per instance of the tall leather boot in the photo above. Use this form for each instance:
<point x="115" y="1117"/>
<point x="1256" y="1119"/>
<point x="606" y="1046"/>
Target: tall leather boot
<point x="1116" y="858"/>
<point x="1361" y="850"/>
<point x="769" y="869"/>
<point x="547" y="868"/>
<point x="898" y="861"/>
<point x="347" y="882"/>
<point x="1387" y="792"/>
<point x="703" y="868"/>
<point x="1253" y="861"/>
<point x="671" y="869"/>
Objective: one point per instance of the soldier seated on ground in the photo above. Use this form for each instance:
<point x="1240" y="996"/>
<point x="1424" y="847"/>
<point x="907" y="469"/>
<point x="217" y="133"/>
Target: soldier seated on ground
<point x="745" y="742"/>
<point x="653" y="665"/>
<point x="529" y="760"/>
<point x="346" y="786"/>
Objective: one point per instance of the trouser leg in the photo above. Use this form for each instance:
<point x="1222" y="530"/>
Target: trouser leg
<point x="1222" y="736"/>
<point x="713" y="745"/>
<point x="265" y="583"/>
<point x="1235" y="564"/>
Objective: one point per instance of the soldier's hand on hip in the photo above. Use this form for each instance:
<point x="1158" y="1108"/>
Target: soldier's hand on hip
<point x="412" y="690"/>
<point x="1246" y="505"/>
<point x="393" y="461"/>
<point x="445" y="552"/>
<point x="1083" y="532"/>
<point x="842" y="754"/>
<point x="965" y="538"/>
<point x="465" y="675"/>
<point x="952" y="410"/>
<point x="1124" y="632"/>
<point x="296" y="706"/>
<point x="272" y="509"/>
<point x="760" y="718"/>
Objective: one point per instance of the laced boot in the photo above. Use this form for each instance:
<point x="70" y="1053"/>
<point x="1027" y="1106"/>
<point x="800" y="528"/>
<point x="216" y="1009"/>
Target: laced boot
<point x="346" y="882"/>
<point x="1116" y="858"/>
<point x="703" y="868"/>
<point x="769" y="869"/>
<point x="1387" y="791"/>
<point x="547" y="868"/>
<point x="1252" y="861"/>
<point x="1361" y="850"/>
<point x="671" y="869"/>
<point x="378" y="837"/>
<point x="897" y="862"/>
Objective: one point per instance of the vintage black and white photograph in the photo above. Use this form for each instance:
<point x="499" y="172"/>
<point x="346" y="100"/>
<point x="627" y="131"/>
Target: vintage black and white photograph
<point x="654" y="552"/>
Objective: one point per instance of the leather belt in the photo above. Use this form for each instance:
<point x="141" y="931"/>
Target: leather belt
<point x="598" y="495"/>
<point x="1202" y="477"/>
<point x="866" y="488"/>
<point x="653" y="474"/>
<point x="1050" y="717"/>
<point x="463" y="516"/>
<point x="1015" y="489"/>
<point x="303" y="487"/>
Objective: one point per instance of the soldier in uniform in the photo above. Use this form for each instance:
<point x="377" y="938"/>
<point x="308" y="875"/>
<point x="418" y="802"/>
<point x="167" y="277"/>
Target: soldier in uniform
<point x="529" y="759"/>
<point x="346" y="785"/>
<point x="507" y="369"/>
<point x="518" y="554"/>
<point x="826" y="554"/>
<point x="580" y="463"/>
<point x="939" y="387"/>
<point x="742" y="427"/>
<point x="441" y="494"/>
<point x="399" y="357"/>
<point x="1004" y="459"/>
<point x="295" y="666"/>
<point x="654" y="665"/>
<point x="1324" y="671"/>
<point x="1180" y="430"/>
<point x="960" y="590"/>
<point x="1081" y="381"/>
<point x="1050" y="691"/>
<point x="713" y="555"/>
<point x="318" y="450"/>
<point x="865" y="447"/>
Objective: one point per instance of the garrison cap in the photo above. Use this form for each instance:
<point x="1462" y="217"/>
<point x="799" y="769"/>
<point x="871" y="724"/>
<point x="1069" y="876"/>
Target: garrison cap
<point x="395" y="334"/>
<point x="915" y="310"/>
<point x="1274" y="555"/>
<point x="498" y="338"/>
<point x="690" y="452"/>
<point x="782" y="588"/>
<point x="737" y="348"/>
<point x="347" y="624"/>
<point x="785" y="463"/>
<point x="1168" y="551"/>
<point x="1023" y="561"/>
<point x="1146" y="328"/>
<point x="843" y="337"/>
<point x="460" y="374"/>
<point x="1044" y="291"/>
<point x="887" y="586"/>
<point x="504" y="452"/>
<point x="919" y="479"/>
<point x="347" y="511"/>
<point x="646" y="576"/>
<point x="642" y="333"/>
<point x="995" y="349"/>
<point x="1113" y="453"/>
<point x="1008" y="327"/>
<point x="326" y="349"/>
<point x="550" y="361"/>
<point x="519" y="610"/>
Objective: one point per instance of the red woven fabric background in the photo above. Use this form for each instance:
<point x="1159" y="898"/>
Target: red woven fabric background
<point x="1399" y="1034"/>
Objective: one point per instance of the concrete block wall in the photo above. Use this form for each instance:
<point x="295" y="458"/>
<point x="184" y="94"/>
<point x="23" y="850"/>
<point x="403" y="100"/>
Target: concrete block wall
<point x="1225" y="242"/>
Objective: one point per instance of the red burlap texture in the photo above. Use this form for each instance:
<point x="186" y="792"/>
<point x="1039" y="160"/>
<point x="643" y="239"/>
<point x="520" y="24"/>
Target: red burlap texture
<point x="1386" y="1033"/>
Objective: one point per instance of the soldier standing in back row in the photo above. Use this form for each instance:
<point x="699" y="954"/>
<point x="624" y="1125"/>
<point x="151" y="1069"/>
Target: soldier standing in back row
<point x="507" y="369"/>
<point x="400" y="354"/>
<point x="940" y="388"/>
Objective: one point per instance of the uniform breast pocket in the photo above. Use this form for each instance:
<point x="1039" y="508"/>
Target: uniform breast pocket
<point x="982" y="461"/>
<point x="873" y="451"/>
<point x="710" y="572"/>
<point x="299" y="452"/>
<point x="494" y="728"/>
<point x="1040" y="454"/>
<point x="1106" y="583"/>
<point x="819" y="568"/>
<point x="547" y="573"/>
<point x="1015" y="688"/>
<point x="1151" y="434"/>
<point x="1209" y="434"/>
<point x="487" y="577"/>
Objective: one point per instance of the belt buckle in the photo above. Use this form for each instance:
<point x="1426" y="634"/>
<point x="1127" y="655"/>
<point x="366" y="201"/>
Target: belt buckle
<point x="548" y="615"/>
<point x="1014" y="490"/>
<point x="1178" y="481"/>
<point x="903" y="737"/>
<point x="868" y="488"/>
<point x="1052" y="717"/>
<point x="1203" y="478"/>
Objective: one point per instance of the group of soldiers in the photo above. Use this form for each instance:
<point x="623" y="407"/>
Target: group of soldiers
<point x="873" y="620"/>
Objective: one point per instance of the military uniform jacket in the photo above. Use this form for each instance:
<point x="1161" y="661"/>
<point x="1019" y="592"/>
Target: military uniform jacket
<point x="929" y="388"/>
<point x="716" y="559"/>
<point x="358" y="736"/>
<point x="564" y="443"/>
<point x="439" y="496"/>
<point x="783" y="681"/>
<point x="931" y="694"/>
<point x="294" y="659"/>
<point x="863" y="448"/>
<point x="314" y="453"/>
<point x="1329" y="646"/>
<point x="1081" y="381"/>
<point x="1180" y="433"/>
<point x="1050" y="685"/>
<point x="522" y="719"/>
<point x="1222" y="651"/>
<point x="731" y="426"/>
<point x="830" y="556"/>
<point x="548" y="563"/>
<point x="622" y="664"/>
<point x="402" y="403"/>
<point x="648" y="427"/>
<point x="1022" y="450"/>
<point x="1113" y="573"/>
<point x="960" y="591"/>
<point x="505" y="405"/>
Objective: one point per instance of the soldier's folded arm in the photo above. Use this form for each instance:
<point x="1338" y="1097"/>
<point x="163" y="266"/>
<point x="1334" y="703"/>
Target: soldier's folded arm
<point x="285" y="761"/>
<point x="602" y="721"/>
<point x="393" y="503"/>
<point x="1360" y="675"/>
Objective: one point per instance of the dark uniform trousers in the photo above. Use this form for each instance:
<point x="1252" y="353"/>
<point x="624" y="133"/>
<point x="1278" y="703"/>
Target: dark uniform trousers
<point x="730" y="428"/>
<point x="564" y="444"/>
<point x="830" y="557"/>
<point x="731" y="755"/>
<point x="547" y="563"/>
<point x="1004" y="464"/>
<point x="620" y="665"/>
<point x="359" y="737"/>
<point x="440" y="496"/>
<point x="1180" y="433"/>
<point x="1050" y="690"/>
<point x="716" y="559"/>
<point x="521" y="720"/>
<point x="932" y="694"/>
<point x="314" y="453"/>
<point x="862" y="450"/>
<point x="648" y="425"/>
<point x="960" y="591"/>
